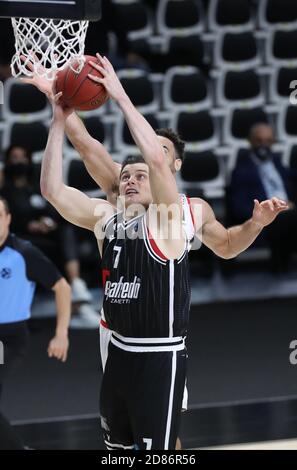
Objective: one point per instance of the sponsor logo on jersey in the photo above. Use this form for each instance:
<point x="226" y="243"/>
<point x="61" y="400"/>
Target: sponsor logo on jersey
<point x="118" y="291"/>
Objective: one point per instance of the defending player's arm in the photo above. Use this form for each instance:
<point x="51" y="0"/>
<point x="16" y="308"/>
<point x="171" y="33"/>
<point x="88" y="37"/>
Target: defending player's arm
<point x="163" y="184"/>
<point x="96" y="158"/>
<point x="228" y="243"/>
<point x="72" y="204"/>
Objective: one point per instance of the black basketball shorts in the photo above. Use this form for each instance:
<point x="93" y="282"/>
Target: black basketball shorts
<point x="142" y="392"/>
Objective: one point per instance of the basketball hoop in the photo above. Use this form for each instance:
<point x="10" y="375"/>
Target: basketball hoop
<point x="49" y="44"/>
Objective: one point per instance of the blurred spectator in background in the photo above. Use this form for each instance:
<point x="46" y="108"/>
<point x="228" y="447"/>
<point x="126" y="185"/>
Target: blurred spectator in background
<point x="35" y="220"/>
<point x="259" y="174"/>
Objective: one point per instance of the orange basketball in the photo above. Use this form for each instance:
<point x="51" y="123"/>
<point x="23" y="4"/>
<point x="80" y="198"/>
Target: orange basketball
<point x="79" y="91"/>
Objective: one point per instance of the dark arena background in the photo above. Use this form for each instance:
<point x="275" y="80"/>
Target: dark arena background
<point x="211" y="70"/>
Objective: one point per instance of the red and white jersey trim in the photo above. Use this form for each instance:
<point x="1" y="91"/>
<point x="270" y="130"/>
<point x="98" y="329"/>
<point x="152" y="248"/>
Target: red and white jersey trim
<point x="188" y="219"/>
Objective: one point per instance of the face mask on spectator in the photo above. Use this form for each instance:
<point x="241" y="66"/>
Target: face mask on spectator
<point x="263" y="152"/>
<point x="13" y="170"/>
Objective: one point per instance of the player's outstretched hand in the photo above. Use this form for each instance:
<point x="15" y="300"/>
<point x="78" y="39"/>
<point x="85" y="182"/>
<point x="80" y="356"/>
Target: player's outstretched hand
<point x="266" y="211"/>
<point x="58" y="347"/>
<point x="44" y="85"/>
<point x="109" y="78"/>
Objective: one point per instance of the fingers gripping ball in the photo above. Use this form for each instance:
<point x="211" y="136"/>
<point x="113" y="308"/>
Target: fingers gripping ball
<point x="79" y="91"/>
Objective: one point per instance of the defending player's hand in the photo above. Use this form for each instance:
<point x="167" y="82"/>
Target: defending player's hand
<point x="109" y="78"/>
<point x="44" y="85"/>
<point x="265" y="212"/>
<point x="58" y="347"/>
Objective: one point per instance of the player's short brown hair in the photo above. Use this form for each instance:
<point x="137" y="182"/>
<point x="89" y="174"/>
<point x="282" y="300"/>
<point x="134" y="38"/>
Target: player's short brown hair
<point x="178" y="143"/>
<point x="131" y="160"/>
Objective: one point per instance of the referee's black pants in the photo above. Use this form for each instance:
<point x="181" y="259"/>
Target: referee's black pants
<point x="14" y="337"/>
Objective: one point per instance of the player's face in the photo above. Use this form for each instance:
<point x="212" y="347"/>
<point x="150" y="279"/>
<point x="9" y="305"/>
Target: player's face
<point x="170" y="154"/>
<point x="4" y="222"/>
<point x="135" y="184"/>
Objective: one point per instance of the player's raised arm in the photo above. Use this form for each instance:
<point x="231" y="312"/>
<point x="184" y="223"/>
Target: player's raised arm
<point x="96" y="158"/>
<point x="163" y="185"/>
<point x="72" y="204"/>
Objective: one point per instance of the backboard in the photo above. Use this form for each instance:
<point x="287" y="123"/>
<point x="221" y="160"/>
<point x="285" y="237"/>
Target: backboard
<point x="56" y="9"/>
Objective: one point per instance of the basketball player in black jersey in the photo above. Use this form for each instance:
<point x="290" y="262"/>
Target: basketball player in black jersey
<point x="146" y="297"/>
<point x="147" y="290"/>
<point x="105" y="332"/>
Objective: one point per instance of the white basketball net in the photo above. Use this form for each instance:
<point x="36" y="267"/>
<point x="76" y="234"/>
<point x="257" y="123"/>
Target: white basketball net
<point x="48" y="44"/>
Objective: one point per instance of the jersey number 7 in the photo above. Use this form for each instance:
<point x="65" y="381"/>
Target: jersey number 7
<point x="117" y="258"/>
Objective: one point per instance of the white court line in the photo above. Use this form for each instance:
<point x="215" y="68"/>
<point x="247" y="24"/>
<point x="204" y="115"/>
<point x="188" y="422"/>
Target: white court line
<point x="190" y="407"/>
<point x="251" y="401"/>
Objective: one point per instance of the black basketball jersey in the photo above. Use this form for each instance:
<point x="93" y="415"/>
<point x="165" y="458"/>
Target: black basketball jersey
<point x="146" y="295"/>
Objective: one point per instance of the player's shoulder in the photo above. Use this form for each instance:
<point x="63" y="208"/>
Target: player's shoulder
<point x="193" y="201"/>
<point x="102" y="203"/>
<point x="197" y="200"/>
<point x="199" y="203"/>
<point x="202" y="208"/>
<point x="102" y="209"/>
